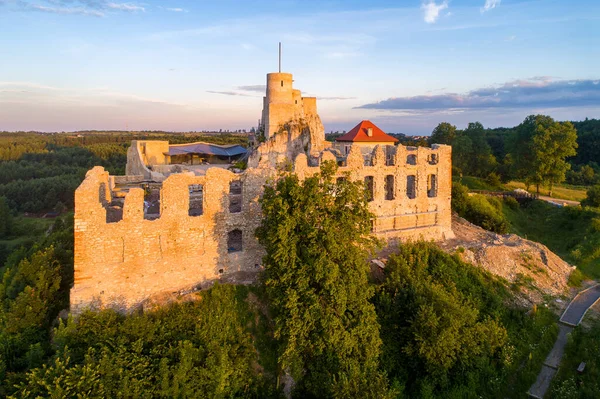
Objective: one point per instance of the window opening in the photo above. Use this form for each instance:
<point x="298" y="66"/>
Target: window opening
<point x="235" y="196"/>
<point x="369" y="188"/>
<point x="196" y="193"/>
<point x="432" y="186"/>
<point x="234" y="241"/>
<point x="389" y="187"/>
<point x="411" y="186"/>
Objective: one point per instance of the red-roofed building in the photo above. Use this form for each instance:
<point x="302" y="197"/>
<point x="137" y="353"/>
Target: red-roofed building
<point x="365" y="134"/>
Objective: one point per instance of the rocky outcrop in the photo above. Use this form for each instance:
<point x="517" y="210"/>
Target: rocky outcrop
<point x="529" y="266"/>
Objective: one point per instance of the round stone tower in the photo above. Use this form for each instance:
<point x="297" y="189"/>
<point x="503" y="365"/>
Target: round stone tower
<point x="279" y="101"/>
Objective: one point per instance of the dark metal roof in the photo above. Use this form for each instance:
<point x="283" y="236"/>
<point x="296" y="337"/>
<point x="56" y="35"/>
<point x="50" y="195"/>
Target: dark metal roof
<point x="207" y="149"/>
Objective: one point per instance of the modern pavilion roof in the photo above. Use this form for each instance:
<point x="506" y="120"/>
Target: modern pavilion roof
<point x="207" y="149"/>
<point x="359" y="133"/>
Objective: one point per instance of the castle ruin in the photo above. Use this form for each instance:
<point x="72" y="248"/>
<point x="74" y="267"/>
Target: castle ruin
<point x="168" y="227"/>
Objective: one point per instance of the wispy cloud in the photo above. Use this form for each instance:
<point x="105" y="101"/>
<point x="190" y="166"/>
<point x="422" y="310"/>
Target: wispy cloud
<point x="229" y="93"/>
<point x="95" y="8"/>
<point x="335" y="98"/>
<point x="125" y="7"/>
<point x="490" y="4"/>
<point x="259" y="88"/>
<point x="176" y="9"/>
<point x="540" y="91"/>
<point x="432" y="10"/>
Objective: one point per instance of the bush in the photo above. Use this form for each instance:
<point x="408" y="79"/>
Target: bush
<point x="460" y="196"/>
<point x="493" y="179"/>
<point x="593" y="197"/>
<point x="576" y="278"/>
<point x="479" y="210"/>
<point x="512" y="203"/>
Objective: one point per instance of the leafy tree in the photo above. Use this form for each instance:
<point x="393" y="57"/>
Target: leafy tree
<point x="188" y="350"/>
<point x="316" y="234"/>
<point x="436" y="310"/>
<point x="541" y="148"/>
<point x="444" y="133"/>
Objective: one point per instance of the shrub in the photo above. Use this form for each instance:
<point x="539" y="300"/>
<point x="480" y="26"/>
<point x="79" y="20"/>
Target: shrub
<point x="482" y="213"/>
<point x="460" y="196"/>
<point x="479" y="210"/>
<point x="511" y="202"/>
<point x="596" y="225"/>
<point x="493" y="179"/>
<point x="576" y="278"/>
<point x="593" y="197"/>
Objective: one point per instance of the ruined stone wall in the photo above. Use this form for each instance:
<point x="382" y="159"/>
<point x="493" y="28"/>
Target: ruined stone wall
<point x="147" y="152"/>
<point x="124" y="263"/>
<point x="398" y="216"/>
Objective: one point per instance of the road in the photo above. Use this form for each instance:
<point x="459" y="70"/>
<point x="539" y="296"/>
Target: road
<point x="571" y="318"/>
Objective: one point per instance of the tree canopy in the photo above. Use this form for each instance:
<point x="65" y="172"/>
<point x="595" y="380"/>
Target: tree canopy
<point x="316" y="234"/>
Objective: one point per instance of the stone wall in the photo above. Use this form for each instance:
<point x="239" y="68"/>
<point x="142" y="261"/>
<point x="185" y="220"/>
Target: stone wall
<point x="124" y="263"/>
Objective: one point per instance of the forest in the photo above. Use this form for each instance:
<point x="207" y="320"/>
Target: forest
<point x="319" y="323"/>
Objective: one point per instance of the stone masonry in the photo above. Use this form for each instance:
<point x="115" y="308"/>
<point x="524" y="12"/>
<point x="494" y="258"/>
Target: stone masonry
<point x="205" y="228"/>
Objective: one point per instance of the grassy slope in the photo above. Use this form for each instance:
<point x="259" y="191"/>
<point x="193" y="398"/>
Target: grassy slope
<point x="567" y="232"/>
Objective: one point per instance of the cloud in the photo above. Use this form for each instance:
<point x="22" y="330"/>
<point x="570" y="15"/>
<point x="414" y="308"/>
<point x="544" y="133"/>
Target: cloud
<point x="336" y="98"/>
<point x="65" y="10"/>
<point x="541" y="91"/>
<point x="489" y="4"/>
<point x="125" y="7"/>
<point x="229" y="93"/>
<point x="176" y="9"/>
<point x="95" y="8"/>
<point x="259" y="88"/>
<point x="432" y="10"/>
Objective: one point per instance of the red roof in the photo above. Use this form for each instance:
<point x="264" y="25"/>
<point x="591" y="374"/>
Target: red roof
<point x="359" y="133"/>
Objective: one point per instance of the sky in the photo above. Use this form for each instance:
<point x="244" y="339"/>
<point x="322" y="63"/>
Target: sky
<point x="180" y="65"/>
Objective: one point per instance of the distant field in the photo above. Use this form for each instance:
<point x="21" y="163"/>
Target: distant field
<point x="573" y="193"/>
<point x="476" y="183"/>
<point x="561" y="191"/>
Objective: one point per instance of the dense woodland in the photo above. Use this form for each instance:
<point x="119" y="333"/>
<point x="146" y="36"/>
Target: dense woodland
<point x="319" y="322"/>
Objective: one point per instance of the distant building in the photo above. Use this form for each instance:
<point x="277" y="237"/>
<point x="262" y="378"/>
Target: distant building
<point x="365" y="134"/>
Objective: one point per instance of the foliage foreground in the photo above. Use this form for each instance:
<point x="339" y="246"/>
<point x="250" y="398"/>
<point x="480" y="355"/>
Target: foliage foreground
<point x="318" y="324"/>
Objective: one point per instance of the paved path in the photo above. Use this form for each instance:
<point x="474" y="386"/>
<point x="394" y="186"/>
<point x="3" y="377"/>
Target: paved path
<point x="571" y="318"/>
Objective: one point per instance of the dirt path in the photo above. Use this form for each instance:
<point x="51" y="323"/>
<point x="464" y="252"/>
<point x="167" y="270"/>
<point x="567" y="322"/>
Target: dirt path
<point x="558" y="201"/>
<point x="571" y="318"/>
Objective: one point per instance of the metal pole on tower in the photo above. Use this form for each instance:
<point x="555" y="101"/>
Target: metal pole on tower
<point x="279" y="57"/>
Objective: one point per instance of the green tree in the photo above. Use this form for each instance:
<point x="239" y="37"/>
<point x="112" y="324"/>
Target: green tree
<point x="5" y="218"/>
<point x="481" y="159"/>
<point x="444" y="133"/>
<point x="541" y="148"/>
<point x="316" y="234"/>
